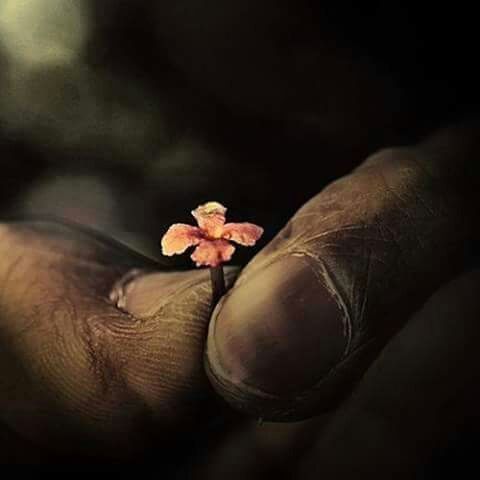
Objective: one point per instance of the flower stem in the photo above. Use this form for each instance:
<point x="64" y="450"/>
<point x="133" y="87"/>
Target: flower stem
<point x="218" y="283"/>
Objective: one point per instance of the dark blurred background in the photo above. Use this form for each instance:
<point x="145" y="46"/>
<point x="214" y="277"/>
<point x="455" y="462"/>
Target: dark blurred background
<point x="125" y="115"/>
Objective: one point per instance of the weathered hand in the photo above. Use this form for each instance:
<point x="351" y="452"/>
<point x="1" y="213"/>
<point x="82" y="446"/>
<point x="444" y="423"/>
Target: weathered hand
<point x="329" y="307"/>
<point x="78" y="375"/>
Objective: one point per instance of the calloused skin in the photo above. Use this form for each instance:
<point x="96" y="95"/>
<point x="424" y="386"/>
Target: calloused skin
<point x="82" y="378"/>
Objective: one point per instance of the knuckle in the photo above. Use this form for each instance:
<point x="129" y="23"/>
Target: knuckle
<point x="386" y="156"/>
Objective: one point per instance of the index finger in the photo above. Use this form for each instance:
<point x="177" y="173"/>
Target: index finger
<point x="80" y="376"/>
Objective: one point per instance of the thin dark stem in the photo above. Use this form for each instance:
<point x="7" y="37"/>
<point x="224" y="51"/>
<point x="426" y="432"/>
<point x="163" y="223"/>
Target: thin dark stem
<point x="218" y="283"/>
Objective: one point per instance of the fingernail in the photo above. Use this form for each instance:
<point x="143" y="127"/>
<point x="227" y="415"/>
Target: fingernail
<point x="279" y="332"/>
<point x="142" y="292"/>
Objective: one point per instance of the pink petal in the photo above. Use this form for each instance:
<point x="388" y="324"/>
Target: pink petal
<point x="243" y="233"/>
<point x="211" y="218"/>
<point x="212" y="253"/>
<point x="179" y="237"/>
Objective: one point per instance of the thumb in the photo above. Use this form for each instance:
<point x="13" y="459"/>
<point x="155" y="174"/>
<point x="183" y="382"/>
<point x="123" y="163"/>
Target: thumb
<point x="311" y="311"/>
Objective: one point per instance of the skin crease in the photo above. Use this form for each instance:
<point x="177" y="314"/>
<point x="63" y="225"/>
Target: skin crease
<point x="69" y="354"/>
<point x="122" y="382"/>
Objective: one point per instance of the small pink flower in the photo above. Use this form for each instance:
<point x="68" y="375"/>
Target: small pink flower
<point x="211" y="238"/>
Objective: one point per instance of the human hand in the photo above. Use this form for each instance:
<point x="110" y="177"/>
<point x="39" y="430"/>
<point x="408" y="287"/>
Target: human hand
<point x="334" y="304"/>
<point x="81" y="378"/>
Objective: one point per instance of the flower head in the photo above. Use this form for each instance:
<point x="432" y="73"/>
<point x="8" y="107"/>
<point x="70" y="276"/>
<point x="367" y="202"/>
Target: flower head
<point x="211" y="238"/>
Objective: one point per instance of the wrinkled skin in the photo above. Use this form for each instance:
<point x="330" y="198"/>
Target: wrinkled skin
<point x="116" y="382"/>
<point x="81" y="376"/>
<point x="359" y="318"/>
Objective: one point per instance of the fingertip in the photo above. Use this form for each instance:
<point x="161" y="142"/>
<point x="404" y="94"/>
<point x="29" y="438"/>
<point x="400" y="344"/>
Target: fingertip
<point x="274" y="337"/>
